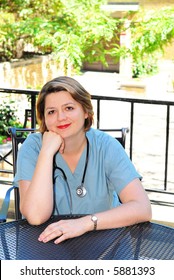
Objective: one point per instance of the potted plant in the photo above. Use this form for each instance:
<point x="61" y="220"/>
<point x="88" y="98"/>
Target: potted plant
<point x="8" y="118"/>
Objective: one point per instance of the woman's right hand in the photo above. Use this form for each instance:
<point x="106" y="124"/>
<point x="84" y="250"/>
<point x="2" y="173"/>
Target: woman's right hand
<point x="53" y="142"/>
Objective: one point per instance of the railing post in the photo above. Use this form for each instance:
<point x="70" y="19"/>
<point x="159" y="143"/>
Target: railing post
<point x="98" y="113"/>
<point x="33" y="111"/>
<point x="167" y="146"/>
<point x="131" y="128"/>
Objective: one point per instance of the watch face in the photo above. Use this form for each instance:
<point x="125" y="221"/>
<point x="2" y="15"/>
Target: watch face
<point x="94" y="218"/>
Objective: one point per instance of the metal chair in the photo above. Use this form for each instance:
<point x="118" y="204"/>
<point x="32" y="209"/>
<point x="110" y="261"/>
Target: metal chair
<point x="28" y="114"/>
<point x="18" y="136"/>
<point x="121" y="132"/>
<point x="4" y="158"/>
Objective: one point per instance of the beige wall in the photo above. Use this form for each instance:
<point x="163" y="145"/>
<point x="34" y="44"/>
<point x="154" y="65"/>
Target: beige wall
<point x="158" y="4"/>
<point x="155" y="3"/>
<point x="147" y="3"/>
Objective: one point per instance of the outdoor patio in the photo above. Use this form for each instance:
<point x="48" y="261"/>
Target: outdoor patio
<point x="150" y="123"/>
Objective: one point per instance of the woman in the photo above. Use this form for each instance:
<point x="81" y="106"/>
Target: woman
<point x="71" y="168"/>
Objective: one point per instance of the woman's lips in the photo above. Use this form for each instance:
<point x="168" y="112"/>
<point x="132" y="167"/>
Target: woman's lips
<point x="64" y="126"/>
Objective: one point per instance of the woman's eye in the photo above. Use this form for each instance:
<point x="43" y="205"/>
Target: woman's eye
<point x="69" y="108"/>
<point x="51" y="112"/>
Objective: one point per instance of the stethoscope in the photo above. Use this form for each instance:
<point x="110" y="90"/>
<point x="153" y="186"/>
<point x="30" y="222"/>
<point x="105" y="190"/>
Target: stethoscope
<point x="80" y="190"/>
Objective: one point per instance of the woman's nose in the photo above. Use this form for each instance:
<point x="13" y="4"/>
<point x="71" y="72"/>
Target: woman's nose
<point x="61" y="115"/>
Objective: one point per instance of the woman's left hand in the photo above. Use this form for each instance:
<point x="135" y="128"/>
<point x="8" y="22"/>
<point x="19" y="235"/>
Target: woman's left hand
<point x="65" y="229"/>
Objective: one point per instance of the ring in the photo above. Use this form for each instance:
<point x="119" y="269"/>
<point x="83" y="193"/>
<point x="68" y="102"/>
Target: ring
<point x="61" y="230"/>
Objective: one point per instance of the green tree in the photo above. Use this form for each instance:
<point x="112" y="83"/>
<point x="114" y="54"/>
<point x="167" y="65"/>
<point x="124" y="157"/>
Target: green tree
<point x="151" y="33"/>
<point x="80" y="30"/>
<point x="73" y="31"/>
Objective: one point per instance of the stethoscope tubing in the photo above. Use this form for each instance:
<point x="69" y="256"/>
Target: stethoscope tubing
<point x="81" y="190"/>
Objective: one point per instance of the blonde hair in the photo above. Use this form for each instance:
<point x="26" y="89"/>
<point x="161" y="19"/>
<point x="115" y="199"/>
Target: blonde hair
<point x="77" y="92"/>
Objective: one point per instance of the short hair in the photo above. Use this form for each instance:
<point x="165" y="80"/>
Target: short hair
<point x="78" y="93"/>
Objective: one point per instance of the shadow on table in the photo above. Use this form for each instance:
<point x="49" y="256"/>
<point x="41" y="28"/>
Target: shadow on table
<point x="142" y="241"/>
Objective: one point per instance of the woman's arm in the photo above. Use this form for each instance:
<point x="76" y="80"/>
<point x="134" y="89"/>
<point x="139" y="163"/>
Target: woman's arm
<point x="36" y="197"/>
<point x="135" y="208"/>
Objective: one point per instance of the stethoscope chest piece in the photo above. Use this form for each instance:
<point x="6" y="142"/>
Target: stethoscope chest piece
<point x="81" y="191"/>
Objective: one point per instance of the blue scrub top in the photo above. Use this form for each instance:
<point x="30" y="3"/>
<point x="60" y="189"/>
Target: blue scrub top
<point x="109" y="170"/>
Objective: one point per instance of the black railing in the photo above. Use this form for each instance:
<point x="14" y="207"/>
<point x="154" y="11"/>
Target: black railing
<point x="132" y="119"/>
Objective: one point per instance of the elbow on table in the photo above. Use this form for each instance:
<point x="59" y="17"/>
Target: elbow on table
<point x="147" y="213"/>
<point x="142" y="212"/>
<point x="148" y="217"/>
<point x="35" y="219"/>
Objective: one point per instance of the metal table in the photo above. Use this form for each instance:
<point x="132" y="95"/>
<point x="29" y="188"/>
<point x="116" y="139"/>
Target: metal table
<point x="144" y="241"/>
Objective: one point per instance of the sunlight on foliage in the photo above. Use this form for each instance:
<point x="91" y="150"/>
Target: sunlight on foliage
<point x="79" y="31"/>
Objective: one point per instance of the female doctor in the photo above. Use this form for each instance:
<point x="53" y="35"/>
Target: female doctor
<point x="71" y="168"/>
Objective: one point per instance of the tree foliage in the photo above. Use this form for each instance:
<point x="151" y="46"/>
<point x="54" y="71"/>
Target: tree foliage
<point x="73" y="31"/>
<point x="80" y="30"/>
<point x="151" y="33"/>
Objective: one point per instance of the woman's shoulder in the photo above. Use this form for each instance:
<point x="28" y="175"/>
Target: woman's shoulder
<point x="100" y="138"/>
<point x="35" y="136"/>
<point x="33" y="140"/>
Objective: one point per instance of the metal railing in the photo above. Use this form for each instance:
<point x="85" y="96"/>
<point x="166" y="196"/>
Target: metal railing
<point x="132" y="119"/>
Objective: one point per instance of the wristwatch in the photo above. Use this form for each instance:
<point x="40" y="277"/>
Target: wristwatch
<point x="94" y="219"/>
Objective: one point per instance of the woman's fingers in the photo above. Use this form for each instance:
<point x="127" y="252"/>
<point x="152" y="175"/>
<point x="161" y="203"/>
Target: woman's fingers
<point x="51" y="232"/>
<point x="62" y="146"/>
<point x="63" y="229"/>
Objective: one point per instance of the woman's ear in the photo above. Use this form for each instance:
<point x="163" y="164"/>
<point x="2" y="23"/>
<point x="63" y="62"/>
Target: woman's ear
<point x="86" y="115"/>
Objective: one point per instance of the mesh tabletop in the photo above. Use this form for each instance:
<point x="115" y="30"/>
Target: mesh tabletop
<point x="19" y="241"/>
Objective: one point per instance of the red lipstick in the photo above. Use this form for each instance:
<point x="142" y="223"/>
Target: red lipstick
<point x="63" y="126"/>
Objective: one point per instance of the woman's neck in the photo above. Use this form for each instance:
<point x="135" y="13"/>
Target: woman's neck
<point x="73" y="151"/>
<point x="75" y="146"/>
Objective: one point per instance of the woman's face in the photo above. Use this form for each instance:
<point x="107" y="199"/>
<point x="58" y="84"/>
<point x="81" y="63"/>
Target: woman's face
<point x="64" y="115"/>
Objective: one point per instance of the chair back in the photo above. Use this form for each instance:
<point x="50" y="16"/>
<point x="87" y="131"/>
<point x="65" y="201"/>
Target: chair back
<point x="18" y="136"/>
<point x="119" y="134"/>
